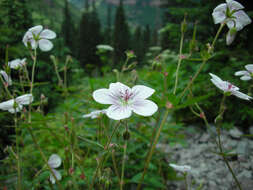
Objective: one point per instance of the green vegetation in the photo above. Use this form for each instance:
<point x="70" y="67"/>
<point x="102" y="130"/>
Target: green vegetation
<point x="90" y="53"/>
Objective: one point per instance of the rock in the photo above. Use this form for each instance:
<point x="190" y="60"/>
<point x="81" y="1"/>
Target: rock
<point x="242" y="148"/>
<point x="204" y="138"/>
<point x="251" y="130"/>
<point x="245" y="174"/>
<point x="235" y="133"/>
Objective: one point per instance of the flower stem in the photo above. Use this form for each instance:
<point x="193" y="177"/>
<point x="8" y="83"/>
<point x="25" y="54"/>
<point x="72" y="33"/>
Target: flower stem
<point x="32" y="81"/>
<point x="219" y="143"/>
<point x="179" y="61"/>
<point x="19" y="185"/>
<point x="149" y="156"/>
<point x="43" y="156"/>
<point x="100" y="164"/>
<point x="123" y="166"/>
<point x="204" y="60"/>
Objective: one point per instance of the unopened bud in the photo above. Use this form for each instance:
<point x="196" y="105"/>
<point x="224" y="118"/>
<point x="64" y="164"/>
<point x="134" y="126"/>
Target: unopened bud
<point x="169" y="105"/>
<point x="42" y="96"/>
<point x="82" y="176"/>
<point x="202" y="115"/>
<point x="71" y="171"/>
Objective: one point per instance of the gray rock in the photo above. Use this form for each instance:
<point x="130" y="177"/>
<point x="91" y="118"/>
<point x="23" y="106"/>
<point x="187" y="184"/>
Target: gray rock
<point x="251" y="130"/>
<point x="204" y="138"/>
<point x="245" y="174"/>
<point x="242" y="148"/>
<point x="235" y="133"/>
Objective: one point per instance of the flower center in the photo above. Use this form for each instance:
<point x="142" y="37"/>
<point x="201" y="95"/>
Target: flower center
<point x="125" y="96"/>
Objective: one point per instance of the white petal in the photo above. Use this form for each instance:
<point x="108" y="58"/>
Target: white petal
<point x="144" y="107"/>
<point x="221" y="8"/>
<point x="239" y="73"/>
<point x="184" y="168"/>
<point x="118" y="112"/>
<point x="215" y="77"/>
<point x="7" y="105"/>
<point x="36" y="30"/>
<point x="45" y="45"/>
<point x="241" y="95"/>
<point x="249" y="67"/>
<point x="242" y="19"/>
<point x="25" y="99"/>
<point x="57" y="175"/>
<point x="103" y="96"/>
<point x="54" y="161"/>
<point x="118" y="87"/>
<point x="230" y="37"/>
<point x="218" y="17"/>
<point x="245" y="77"/>
<point x="142" y="92"/>
<point x="6" y="77"/>
<point x="18" y="109"/>
<point x="47" y="34"/>
<point x="94" y="114"/>
<point x="220" y="85"/>
<point x="234" y="5"/>
<point x="231" y="23"/>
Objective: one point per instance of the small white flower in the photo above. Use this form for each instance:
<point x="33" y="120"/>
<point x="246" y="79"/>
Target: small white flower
<point x="20" y="101"/>
<point x="17" y="63"/>
<point x="246" y="75"/>
<point x="232" y="14"/>
<point x="228" y="88"/>
<point x="105" y="47"/>
<point x="6" y="78"/>
<point x="124" y="100"/>
<point x="36" y="36"/>
<point x="184" y="168"/>
<point x="54" y="162"/>
<point x="94" y="114"/>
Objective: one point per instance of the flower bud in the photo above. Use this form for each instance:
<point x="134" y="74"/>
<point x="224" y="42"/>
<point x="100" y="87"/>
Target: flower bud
<point x="169" y="105"/>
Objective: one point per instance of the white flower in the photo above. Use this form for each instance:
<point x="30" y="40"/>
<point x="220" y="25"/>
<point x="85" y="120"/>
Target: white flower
<point x="184" y="168"/>
<point x="246" y="75"/>
<point x="17" y="63"/>
<point x="228" y="88"/>
<point x="124" y="100"/>
<point x="232" y="14"/>
<point x="36" y="36"/>
<point x="54" y="162"/>
<point x="20" y="101"/>
<point x="6" y="78"/>
<point x="94" y="114"/>
<point x="230" y="36"/>
<point x="105" y="47"/>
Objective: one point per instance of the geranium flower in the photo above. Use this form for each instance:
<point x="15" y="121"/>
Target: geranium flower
<point x="232" y="14"/>
<point x="184" y="168"/>
<point x="54" y="162"/>
<point x="17" y="63"/>
<point x="94" y="114"/>
<point x="7" y="78"/>
<point x="17" y="105"/>
<point x="124" y="100"/>
<point x="246" y="75"/>
<point x="36" y="36"/>
<point x="228" y="88"/>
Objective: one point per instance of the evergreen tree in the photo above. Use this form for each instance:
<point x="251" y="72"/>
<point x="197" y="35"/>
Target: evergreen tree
<point x="154" y="38"/>
<point x="121" y="35"/>
<point x="90" y="37"/>
<point x="146" y="39"/>
<point x="68" y="28"/>
<point x="138" y="44"/>
<point x="108" y="30"/>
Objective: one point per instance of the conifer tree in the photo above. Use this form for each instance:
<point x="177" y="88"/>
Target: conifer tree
<point x="108" y="30"/>
<point x="68" y="28"/>
<point x="138" y="44"/>
<point x="121" y="34"/>
<point x="90" y="37"/>
<point x="146" y="39"/>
